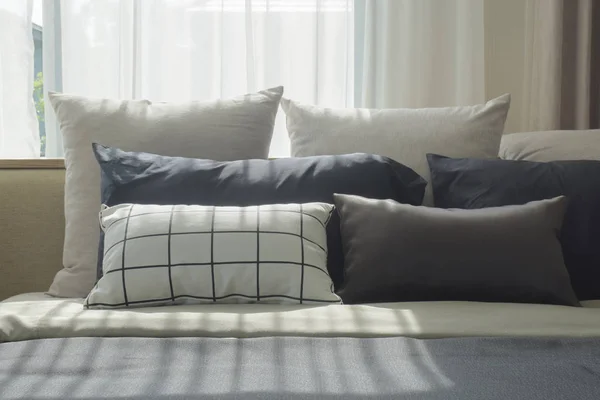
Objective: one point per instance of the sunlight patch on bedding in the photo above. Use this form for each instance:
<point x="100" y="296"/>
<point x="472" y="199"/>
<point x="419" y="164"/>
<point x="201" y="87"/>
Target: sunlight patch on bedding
<point x="23" y="320"/>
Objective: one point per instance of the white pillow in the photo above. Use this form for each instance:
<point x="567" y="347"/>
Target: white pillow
<point x="238" y="128"/>
<point x="156" y="255"/>
<point x="551" y="145"/>
<point x="404" y="134"/>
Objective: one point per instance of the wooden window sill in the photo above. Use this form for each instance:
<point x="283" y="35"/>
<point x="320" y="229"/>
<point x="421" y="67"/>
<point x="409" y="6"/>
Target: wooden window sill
<point x="33" y="163"/>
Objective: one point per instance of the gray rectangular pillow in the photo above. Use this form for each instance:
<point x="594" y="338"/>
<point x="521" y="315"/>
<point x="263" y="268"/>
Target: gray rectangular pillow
<point x="476" y="183"/>
<point x="395" y="252"/>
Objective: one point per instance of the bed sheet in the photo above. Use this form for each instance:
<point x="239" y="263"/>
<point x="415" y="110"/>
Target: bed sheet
<point x="37" y="316"/>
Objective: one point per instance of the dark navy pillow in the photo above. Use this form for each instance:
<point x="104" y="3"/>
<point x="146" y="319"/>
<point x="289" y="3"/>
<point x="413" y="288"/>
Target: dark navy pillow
<point x="474" y="183"/>
<point x="143" y="178"/>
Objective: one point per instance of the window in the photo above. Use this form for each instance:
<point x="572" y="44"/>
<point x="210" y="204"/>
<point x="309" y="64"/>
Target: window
<point x="179" y="50"/>
<point x="38" y="72"/>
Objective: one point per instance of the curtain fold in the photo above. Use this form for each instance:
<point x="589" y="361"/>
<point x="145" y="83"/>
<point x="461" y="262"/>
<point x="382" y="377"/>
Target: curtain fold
<point x="19" y="133"/>
<point x="562" y="54"/>
<point x="166" y="50"/>
<point x="422" y="53"/>
<point x="336" y="53"/>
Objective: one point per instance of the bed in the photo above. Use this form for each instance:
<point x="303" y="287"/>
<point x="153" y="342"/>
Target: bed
<point x="54" y="349"/>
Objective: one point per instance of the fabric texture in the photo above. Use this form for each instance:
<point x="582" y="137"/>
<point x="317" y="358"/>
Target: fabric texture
<point x="27" y="317"/>
<point x="32" y="229"/>
<point x="396" y="252"/>
<point x="144" y="178"/>
<point x="551" y="145"/>
<point x="41" y="296"/>
<point x="408" y="50"/>
<point x="176" y="254"/>
<point x="405" y="135"/>
<point x="300" y="368"/>
<point x="561" y="86"/>
<point x="238" y="128"/>
<point x="474" y="184"/>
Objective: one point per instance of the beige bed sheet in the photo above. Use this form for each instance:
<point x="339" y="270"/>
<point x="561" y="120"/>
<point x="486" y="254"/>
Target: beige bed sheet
<point x="36" y="315"/>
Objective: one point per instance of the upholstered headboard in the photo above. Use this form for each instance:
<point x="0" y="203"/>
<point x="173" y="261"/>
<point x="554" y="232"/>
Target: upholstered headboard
<point x="31" y="224"/>
<point x="32" y="204"/>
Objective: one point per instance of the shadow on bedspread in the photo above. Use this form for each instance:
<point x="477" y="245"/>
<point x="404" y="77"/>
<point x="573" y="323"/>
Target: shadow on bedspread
<point x="300" y="368"/>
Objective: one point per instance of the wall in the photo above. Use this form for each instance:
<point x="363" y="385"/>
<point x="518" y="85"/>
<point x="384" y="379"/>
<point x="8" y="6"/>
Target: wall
<point x="504" y="22"/>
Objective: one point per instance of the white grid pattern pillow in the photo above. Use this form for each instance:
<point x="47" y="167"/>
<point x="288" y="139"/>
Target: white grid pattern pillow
<point x="180" y="254"/>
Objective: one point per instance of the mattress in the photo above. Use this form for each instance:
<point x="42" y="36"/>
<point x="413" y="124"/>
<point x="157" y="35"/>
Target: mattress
<point x="37" y="316"/>
<point x="54" y="349"/>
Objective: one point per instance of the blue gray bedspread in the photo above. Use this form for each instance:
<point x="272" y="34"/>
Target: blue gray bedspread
<point x="300" y="368"/>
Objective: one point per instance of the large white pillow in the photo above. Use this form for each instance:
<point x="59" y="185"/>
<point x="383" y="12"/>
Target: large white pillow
<point x="238" y="128"/>
<point x="176" y="254"/>
<point x="404" y="134"/>
<point x="551" y="145"/>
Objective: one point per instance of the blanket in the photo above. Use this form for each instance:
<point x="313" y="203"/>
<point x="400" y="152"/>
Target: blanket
<point x="31" y="317"/>
<point x="300" y="368"/>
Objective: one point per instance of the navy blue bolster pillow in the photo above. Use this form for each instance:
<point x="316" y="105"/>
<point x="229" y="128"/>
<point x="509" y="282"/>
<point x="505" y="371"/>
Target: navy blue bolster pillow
<point x="143" y="178"/>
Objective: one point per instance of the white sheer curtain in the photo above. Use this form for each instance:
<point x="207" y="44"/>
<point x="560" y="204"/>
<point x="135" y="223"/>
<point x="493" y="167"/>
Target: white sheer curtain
<point x="421" y="53"/>
<point x="337" y="53"/>
<point x="19" y="136"/>
<point x="167" y="50"/>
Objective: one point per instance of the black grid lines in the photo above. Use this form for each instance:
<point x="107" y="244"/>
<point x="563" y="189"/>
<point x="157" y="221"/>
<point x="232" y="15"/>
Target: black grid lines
<point x="220" y="211"/>
<point x="211" y="232"/>
<point x="215" y="263"/>
<point x="212" y="254"/>
<point x="123" y="256"/>
<point x="228" y="255"/>
<point x="187" y="296"/>
<point x="258" y="253"/>
<point x="169" y="253"/>
<point x="302" y="253"/>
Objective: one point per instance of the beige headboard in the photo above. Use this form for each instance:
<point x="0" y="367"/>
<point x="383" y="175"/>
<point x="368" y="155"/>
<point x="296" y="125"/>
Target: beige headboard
<point x="32" y="214"/>
<point x="31" y="224"/>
